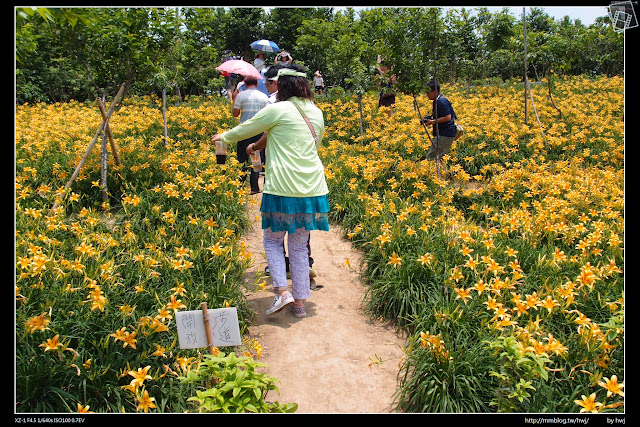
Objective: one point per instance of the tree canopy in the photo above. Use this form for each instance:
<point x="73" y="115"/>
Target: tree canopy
<point x="83" y="53"/>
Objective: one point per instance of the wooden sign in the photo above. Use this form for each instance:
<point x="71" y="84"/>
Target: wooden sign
<point x="220" y="328"/>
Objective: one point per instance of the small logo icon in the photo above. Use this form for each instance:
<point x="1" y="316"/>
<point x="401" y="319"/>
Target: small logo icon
<point x="622" y="15"/>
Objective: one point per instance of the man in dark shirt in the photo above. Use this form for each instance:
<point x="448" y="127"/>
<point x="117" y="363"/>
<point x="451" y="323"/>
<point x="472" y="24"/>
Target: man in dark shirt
<point x="444" y="118"/>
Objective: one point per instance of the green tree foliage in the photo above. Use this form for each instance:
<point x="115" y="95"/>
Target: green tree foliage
<point x="81" y="53"/>
<point x="241" y="27"/>
<point x="201" y="49"/>
<point x="464" y="45"/>
<point x="284" y="26"/>
<point x="74" y="58"/>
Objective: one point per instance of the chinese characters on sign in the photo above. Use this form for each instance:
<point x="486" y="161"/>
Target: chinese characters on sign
<point x="223" y="322"/>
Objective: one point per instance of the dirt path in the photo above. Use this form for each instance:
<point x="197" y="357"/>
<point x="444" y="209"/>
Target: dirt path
<point x="323" y="361"/>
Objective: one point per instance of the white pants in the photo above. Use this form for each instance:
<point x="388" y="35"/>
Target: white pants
<point x="298" y="260"/>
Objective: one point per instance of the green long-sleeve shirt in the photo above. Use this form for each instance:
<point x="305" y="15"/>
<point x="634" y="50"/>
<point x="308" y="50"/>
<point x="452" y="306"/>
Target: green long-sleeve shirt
<point x="293" y="168"/>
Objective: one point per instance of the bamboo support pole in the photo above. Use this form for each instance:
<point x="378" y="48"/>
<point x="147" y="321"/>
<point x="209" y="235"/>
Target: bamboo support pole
<point x="114" y="150"/>
<point x="526" y="77"/>
<point x="103" y="169"/>
<point x="361" y="119"/>
<point x="112" y="107"/>
<point x="435" y="110"/>
<point x="416" y="106"/>
<point x="536" y="113"/>
<point x="164" y="116"/>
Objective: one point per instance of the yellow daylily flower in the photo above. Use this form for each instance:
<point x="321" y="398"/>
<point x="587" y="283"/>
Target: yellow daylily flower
<point x="589" y="404"/>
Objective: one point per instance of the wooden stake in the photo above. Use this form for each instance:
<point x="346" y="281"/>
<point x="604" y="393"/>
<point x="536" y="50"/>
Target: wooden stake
<point x="112" y="107"/>
<point x="435" y="112"/>
<point x="536" y="113"/>
<point x="417" y="108"/>
<point x="360" y="110"/>
<point x="103" y="169"/>
<point x="207" y="328"/>
<point x="205" y="317"/>
<point x="114" y="150"/>
<point x="526" y="78"/>
<point x="164" y="116"/>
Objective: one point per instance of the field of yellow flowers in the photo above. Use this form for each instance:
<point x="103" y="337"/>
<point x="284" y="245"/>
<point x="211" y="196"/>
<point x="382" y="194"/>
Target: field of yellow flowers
<point x="97" y="284"/>
<point x="507" y="272"/>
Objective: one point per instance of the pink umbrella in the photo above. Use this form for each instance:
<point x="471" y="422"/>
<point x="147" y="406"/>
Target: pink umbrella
<point x="238" y="66"/>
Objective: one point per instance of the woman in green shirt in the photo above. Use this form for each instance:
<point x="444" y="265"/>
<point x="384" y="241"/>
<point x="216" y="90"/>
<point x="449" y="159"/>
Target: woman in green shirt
<point x="295" y="194"/>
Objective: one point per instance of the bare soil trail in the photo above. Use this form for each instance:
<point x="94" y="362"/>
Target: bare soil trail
<point x="324" y="361"/>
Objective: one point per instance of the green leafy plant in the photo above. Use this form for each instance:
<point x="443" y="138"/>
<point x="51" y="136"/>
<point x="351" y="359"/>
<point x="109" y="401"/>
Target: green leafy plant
<point x="231" y="384"/>
<point x="518" y="370"/>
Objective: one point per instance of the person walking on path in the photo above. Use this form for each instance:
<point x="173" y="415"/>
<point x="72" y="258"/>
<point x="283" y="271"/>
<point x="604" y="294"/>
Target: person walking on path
<point x="272" y="85"/>
<point x="318" y="82"/>
<point x="246" y="104"/>
<point x="295" y="195"/>
<point x="444" y="118"/>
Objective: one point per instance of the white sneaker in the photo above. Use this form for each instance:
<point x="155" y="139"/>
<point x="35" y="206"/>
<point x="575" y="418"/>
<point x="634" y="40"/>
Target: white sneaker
<point x="280" y="302"/>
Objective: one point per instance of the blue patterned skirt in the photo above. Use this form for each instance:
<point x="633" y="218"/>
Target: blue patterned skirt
<point x="281" y="213"/>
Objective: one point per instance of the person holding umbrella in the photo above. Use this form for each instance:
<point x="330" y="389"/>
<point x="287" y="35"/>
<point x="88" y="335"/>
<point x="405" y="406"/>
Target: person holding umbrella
<point x="240" y="67"/>
<point x="295" y="194"/>
<point x="263" y="46"/>
<point x="235" y="67"/>
<point x="259" y="61"/>
<point x="229" y="78"/>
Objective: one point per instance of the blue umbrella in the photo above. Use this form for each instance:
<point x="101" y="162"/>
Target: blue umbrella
<point x="265" y="46"/>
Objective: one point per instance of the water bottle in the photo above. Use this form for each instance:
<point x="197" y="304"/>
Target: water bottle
<point x="256" y="161"/>
<point x="221" y="148"/>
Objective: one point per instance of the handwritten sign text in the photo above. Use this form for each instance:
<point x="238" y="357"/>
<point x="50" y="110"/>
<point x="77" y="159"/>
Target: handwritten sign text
<point x="223" y="322"/>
